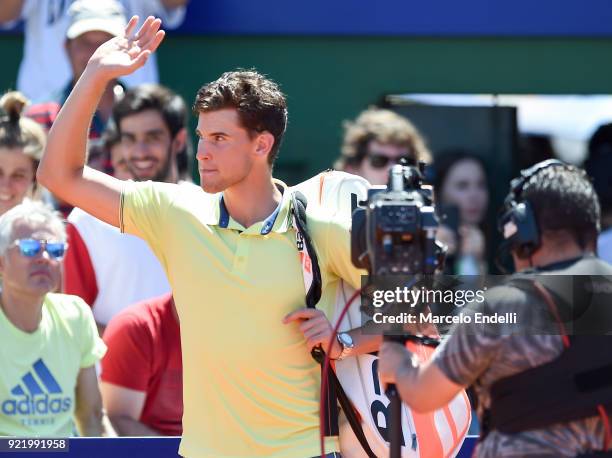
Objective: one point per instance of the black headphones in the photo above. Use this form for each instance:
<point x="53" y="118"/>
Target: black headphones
<point x="517" y="221"/>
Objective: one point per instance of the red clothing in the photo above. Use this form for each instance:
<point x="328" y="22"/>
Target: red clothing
<point x="79" y="274"/>
<point x="144" y="354"/>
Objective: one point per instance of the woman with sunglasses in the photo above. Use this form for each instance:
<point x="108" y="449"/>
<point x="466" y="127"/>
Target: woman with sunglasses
<point x="22" y="141"/>
<point x="462" y="197"/>
<point x="49" y="342"/>
<point x="377" y="140"/>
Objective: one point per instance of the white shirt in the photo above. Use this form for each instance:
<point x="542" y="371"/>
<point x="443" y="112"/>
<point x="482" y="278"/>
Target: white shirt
<point x="45" y="69"/>
<point x="126" y="269"/>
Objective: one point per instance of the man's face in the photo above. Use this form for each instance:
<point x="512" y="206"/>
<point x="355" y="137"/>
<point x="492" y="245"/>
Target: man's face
<point x="147" y="146"/>
<point x="226" y="152"/>
<point x="380" y="157"/>
<point x="81" y="48"/>
<point x="36" y="275"/>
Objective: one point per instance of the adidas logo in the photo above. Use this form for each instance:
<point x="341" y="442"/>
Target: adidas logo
<point x="41" y="395"/>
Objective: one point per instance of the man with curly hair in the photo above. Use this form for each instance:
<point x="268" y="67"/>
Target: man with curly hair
<point x="377" y="140"/>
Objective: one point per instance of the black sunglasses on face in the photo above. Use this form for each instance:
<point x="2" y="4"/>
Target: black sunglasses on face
<point x="379" y="161"/>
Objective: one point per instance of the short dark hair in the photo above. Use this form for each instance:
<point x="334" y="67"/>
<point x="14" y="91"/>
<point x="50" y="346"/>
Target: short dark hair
<point x="259" y="101"/>
<point x="563" y="199"/>
<point x="170" y="105"/>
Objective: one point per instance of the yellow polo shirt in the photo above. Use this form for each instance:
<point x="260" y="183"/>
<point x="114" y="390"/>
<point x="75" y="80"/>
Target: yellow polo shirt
<point x="251" y="388"/>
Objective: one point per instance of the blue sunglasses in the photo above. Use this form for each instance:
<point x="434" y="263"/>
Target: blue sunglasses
<point x="30" y="248"/>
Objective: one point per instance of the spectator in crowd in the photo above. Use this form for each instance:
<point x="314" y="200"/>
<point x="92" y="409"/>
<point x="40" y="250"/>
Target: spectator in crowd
<point x="377" y="140"/>
<point x="21" y="145"/>
<point x="49" y="341"/>
<point x="152" y="121"/>
<point x="110" y="270"/>
<point x="112" y="143"/>
<point x="45" y="67"/>
<point x="533" y="148"/>
<point x="462" y="199"/>
<point x="119" y="163"/>
<point x="599" y="167"/>
<point x="142" y="373"/>
<point x="90" y="23"/>
<point x="107" y="154"/>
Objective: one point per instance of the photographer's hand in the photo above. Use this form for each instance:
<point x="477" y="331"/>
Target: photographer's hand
<point x="421" y="385"/>
<point x="391" y="357"/>
<point x="316" y="328"/>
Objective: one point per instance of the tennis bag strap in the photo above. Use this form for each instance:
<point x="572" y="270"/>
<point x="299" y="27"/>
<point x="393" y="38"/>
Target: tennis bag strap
<point x="312" y="286"/>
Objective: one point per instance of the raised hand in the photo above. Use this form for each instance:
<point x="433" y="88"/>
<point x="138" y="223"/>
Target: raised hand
<point x="125" y="54"/>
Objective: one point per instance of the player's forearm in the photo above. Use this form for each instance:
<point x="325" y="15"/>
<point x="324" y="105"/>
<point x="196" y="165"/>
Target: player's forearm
<point x="127" y="426"/>
<point x="65" y="154"/>
<point x="10" y="10"/>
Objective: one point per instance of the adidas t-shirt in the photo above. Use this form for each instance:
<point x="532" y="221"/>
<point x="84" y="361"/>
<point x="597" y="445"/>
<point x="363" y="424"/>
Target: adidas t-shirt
<point x="39" y="370"/>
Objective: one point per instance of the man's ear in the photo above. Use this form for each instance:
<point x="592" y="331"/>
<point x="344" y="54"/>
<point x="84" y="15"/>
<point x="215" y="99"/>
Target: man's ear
<point x="179" y="141"/>
<point x="265" y="142"/>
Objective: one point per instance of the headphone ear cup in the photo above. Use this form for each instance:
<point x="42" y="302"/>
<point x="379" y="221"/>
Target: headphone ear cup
<point x="527" y="235"/>
<point x="526" y="239"/>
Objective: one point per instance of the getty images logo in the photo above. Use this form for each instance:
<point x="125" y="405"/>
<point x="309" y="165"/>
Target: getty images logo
<point x="37" y="399"/>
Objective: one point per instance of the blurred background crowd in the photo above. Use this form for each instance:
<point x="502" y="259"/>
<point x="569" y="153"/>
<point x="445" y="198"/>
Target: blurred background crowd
<point x="365" y="90"/>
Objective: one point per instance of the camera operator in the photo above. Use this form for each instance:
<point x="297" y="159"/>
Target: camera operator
<point x="550" y="223"/>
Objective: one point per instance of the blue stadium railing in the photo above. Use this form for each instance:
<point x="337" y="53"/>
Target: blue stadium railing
<point x="149" y="447"/>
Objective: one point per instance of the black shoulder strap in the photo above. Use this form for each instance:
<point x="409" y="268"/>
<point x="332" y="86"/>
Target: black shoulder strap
<point x="299" y="203"/>
<point x="351" y="415"/>
<point x="313" y="295"/>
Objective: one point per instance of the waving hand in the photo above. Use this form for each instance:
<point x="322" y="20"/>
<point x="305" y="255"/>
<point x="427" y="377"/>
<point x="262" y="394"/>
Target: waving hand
<point x="125" y="54"/>
<point x="62" y="169"/>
